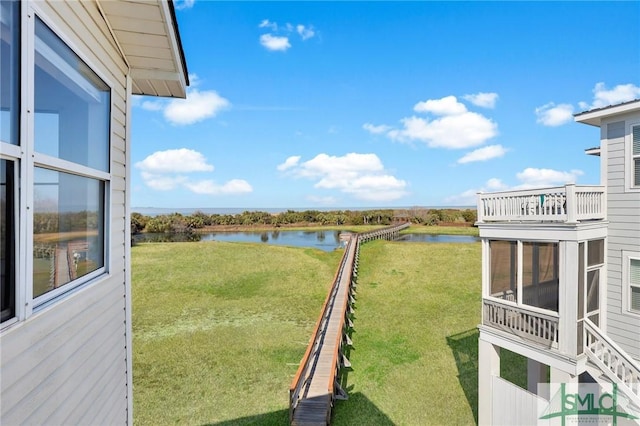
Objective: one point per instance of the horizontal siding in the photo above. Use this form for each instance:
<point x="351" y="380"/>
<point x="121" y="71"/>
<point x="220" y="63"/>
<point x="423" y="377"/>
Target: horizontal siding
<point x="81" y="365"/>
<point x="67" y="364"/>
<point x="65" y="333"/>
<point x="623" y="234"/>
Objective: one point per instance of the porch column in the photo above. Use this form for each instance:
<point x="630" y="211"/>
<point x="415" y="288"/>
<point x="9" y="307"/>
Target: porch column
<point x="488" y="366"/>
<point x="536" y="373"/>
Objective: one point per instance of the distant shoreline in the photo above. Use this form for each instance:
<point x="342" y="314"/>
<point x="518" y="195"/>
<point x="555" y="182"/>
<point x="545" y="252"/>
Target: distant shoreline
<point x="156" y="211"/>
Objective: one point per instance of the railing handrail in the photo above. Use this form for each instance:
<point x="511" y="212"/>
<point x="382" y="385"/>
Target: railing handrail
<point x="532" y="310"/>
<point x="348" y="258"/>
<point x="295" y="383"/>
<point x="569" y="203"/>
<point x="629" y="363"/>
<point x="546" y="189"/>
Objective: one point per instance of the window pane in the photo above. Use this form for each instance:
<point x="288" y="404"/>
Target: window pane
<point x="540" y="285"/>
<point x="595" y="252"/>
<point x="503" y="256"/>
<point x="68" y="227"/>
<point x="593" y="281"/>
<point x="636" y="172"/>
<point x="634" y="280"/>
<point x="635" y="298"/>
<point x="634" y="271"/>
<point x="72" y="104"/>
<point x="10" y="74"/>
<point x="7" y="238"/>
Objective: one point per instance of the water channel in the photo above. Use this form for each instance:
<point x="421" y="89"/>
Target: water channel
<point x="323" y="240"/>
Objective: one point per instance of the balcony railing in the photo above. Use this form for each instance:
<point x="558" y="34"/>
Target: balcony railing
<point x="528" y="324"/>
<point x="569" y="204"/>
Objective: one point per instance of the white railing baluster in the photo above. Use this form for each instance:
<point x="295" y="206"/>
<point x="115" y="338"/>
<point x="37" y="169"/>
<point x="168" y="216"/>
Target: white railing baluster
<point x="569" y="203"/>
<point x="613" y="361"/>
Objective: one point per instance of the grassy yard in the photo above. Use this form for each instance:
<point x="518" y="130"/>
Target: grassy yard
<point x="219" y="329"/>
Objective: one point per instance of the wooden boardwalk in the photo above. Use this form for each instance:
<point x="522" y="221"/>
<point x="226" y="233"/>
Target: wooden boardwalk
<point x="316" y="384"/>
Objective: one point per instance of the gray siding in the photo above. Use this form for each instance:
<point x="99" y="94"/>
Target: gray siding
<point x="623" y="234"/>
<point x="67" y="363"/>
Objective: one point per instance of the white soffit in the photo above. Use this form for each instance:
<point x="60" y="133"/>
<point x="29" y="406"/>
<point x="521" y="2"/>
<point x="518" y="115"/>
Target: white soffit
<point x="147" y="34"/>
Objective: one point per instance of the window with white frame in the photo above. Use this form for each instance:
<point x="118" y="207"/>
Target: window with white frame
<point x="631" y="281"/>
<point x="63" y="162"/>
<point x="635" y="156"/>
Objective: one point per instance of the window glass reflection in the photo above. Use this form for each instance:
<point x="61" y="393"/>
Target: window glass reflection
<point x="10" y="74"/>
<point x="72" y="104"/>
<point x="7" y="239"/>
<point x="68" y="226"/>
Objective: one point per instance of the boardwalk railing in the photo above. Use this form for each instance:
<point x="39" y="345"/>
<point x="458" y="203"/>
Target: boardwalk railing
<point x="317" y="382"/>
<point x="569" y="203"/>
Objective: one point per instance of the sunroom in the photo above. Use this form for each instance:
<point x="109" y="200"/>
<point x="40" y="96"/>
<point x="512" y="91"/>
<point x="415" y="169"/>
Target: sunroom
<point x="543" y="266"/>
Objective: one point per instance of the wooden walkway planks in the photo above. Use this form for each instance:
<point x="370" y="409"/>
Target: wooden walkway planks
<point x="315" y="385"/>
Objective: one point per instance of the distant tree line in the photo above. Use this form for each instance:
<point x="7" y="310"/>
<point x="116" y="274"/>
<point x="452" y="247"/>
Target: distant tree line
<point x="178" y="223"/>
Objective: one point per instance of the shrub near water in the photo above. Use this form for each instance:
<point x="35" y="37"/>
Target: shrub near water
<point x="219" y="329"/>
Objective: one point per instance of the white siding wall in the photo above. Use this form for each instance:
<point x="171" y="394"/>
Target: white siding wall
<point x="624" y="234"/>
<point x="67" y="364"/>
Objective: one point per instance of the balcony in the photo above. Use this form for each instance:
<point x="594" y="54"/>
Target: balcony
<point x="564" y="204"/>
<point x="529" y="324"/>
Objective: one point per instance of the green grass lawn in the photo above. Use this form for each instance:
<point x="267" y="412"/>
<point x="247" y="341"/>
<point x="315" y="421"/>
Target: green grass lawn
<point x="219" y="330"/>
<point x="415" y="342"/>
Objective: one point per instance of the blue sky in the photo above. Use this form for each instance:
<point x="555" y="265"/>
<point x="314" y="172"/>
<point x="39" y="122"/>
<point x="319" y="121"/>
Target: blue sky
<point x="381" y="104"/>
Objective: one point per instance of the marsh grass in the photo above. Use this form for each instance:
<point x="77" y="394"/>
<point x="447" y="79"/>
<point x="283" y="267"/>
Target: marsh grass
<point x="219" y="330"/>
<point x="415" y="343"/>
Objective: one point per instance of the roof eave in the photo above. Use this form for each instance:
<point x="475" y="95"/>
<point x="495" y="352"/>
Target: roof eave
<point x="161" y="70"/>
<point x="594" y="117"/>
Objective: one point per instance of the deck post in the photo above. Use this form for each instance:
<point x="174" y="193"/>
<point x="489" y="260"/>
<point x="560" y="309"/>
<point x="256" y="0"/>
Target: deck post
<point x="488" y="366"/>
<point x="572" y="208"/>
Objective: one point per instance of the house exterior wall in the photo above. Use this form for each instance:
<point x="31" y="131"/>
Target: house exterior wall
<point x="68" y="362"/>
<point x="623" y="233"/>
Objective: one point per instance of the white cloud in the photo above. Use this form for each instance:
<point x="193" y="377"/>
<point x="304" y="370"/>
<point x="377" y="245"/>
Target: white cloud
<point x="454" y="131"/>
<point x="184" y="4"/>
<point x="554" y="115"/>
<point x="529" y="178"/>
<point x="161" y="182"/>
<point x="469" y="197"/>
<point x="484" y="100"/>
<point x="376" y="130"/>
<point x="181" y="160"/>
<point x="268" y="24"/>
<point x="603" y="97"/>
<point x="483" y="154"/>
<point x="532" y="177"/>
<point x="196" y="107"/>
<point x="166" y="170"/>
<point x="305" y="32"/>
<point x="448" y="105"/>
<point x="209" y="187"/>
<point x="361" y="175"/>
<point x="275" y="43"/>
<point x="454" y="128"/>
<point x="152" y="105"/>
<point x="289" y="163"/>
